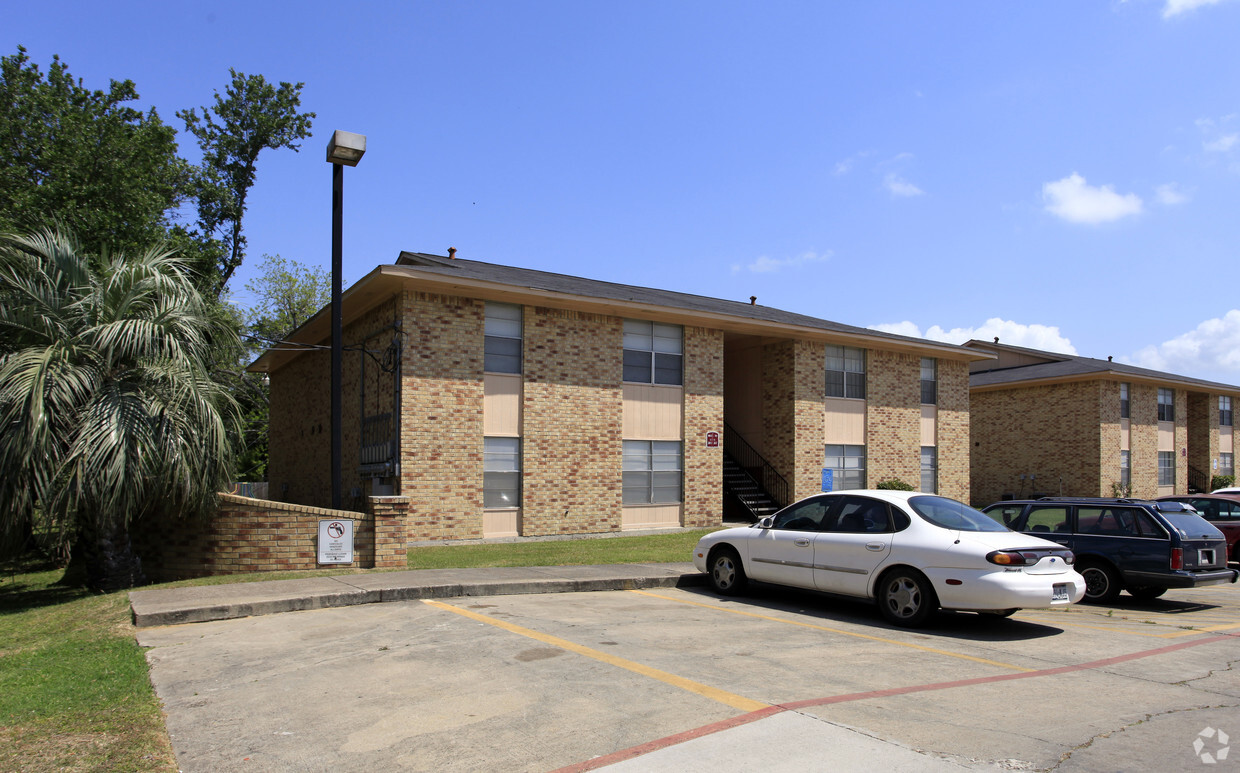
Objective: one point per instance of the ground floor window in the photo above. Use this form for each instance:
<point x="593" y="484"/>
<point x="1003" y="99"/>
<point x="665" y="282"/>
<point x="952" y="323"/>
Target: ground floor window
<point x="847" y="465"/>
<point x="652" y="472"/>
<point x="1226" y="464"/>
<point x="929" y="469"/>
<point x="501" y="472"/>
<point x="1166" y="468"/>
<point x="1125" y="469"/>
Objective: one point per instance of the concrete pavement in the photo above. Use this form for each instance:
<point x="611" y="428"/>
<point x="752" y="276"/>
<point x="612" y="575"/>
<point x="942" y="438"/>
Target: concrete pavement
<point x="172" y="606"/>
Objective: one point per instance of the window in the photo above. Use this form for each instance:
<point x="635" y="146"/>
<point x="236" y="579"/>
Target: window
<point x="1166" y="468"/>
<point x="1166" y="404"/>
<point x="929" y="381"/>
<point x="847" y="465"/>
<point x="1125" y="469"/>
<point x="803" y="516"/>
<point x="1226" y="464"/>
<point x="1125" y="407"/>
<point x="845" y="372"/>
<point x="653" y="352"/>
<point x="1224" y="411"/>
<point x="501" y="472"/>
<point x="857" y="515"/>
<point x="929" y="469"/>
<point x="652" y="472"/>
<point x="503" y="338"/>
<point x="1046" y="519"/>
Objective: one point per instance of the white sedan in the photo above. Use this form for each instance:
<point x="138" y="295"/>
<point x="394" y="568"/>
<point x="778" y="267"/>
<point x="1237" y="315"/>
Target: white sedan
<point x="913" y="553"/>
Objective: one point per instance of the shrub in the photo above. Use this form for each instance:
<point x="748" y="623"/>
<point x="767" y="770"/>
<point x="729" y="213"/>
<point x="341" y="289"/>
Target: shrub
<point x="1222" y="481"/>
<point x="894" y="484"/>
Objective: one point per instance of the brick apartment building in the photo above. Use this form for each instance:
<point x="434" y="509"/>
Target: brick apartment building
<point x="1057" y="424"/>
<point x="506" y="401"/>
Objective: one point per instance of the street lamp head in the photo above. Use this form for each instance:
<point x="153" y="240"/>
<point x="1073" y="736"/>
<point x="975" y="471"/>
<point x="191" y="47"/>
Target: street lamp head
<point x="346" y="148"/>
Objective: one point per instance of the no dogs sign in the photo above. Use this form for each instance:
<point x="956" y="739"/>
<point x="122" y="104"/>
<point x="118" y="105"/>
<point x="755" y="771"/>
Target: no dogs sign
<point x="336" y="541"/>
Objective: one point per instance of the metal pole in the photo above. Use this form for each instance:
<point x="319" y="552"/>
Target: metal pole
<point x="337" y="331"/>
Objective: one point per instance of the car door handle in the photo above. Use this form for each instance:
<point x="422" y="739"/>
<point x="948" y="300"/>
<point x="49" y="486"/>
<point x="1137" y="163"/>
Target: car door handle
<point x="875" y="546"/>
<point x="801" y="543"/>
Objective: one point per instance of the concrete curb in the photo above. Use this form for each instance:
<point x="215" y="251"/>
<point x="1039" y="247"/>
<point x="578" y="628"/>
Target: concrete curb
<point x="175" y="606"/>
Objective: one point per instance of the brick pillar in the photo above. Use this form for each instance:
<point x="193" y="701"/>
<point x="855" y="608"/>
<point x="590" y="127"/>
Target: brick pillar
<point x="389" y="545"/>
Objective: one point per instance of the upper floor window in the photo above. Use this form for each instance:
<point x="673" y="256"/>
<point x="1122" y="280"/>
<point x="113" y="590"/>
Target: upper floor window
<point x="1125" y="407"/>
<point x="1224" y="411"/>
<point x="929" y="382"/>
<point x="653" y="352"/>
<point x="1166" y="404"/>
<point x="503" y="338"/>
<point x="845" y="371"/>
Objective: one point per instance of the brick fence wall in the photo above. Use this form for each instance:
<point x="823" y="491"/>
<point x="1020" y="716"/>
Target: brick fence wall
<point x="255" y="535"/>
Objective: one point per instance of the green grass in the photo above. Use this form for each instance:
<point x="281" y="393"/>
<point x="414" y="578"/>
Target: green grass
<point x="75" y="693"/>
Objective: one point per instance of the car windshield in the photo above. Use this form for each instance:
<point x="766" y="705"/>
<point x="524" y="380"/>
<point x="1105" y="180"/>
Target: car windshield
<point x="951" y="514"/>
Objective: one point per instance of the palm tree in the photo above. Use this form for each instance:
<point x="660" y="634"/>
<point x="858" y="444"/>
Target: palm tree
<point x="108" y="411"/>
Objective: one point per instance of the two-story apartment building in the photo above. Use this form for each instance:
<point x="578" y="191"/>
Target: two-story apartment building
<point x="1054" y="424"/>
<point x="508" y="401"/>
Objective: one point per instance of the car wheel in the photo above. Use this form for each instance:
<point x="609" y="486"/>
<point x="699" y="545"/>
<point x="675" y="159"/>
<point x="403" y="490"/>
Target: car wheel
<point x="905" y="598"/>
<point x="727" y="576"/>
<point x="1101" y="583"/>
<point x="1146" y="592"/>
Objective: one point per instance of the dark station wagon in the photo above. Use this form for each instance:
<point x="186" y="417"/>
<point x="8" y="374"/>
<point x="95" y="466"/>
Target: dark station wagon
<point x="1221" y="510"/>
<point x="1136" y="545"/>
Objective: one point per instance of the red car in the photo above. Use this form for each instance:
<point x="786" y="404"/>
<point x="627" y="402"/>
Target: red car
<point x="1222" y="511"/>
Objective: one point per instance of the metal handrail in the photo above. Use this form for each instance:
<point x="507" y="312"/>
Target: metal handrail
<point x="748" y="457"/>
<point x="1197" y="479"/>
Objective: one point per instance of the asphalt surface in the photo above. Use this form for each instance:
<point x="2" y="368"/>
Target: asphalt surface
<point x="518" y="669"/>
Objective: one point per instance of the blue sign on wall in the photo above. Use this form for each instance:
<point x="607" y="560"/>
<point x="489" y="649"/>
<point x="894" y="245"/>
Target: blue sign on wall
<point x="828" y="479"/>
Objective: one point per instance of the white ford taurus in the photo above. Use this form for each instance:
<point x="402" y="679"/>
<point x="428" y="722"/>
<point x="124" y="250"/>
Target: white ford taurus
<point x="913" y="553"/>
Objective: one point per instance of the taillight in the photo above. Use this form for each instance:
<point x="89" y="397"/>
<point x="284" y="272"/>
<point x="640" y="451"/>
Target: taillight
<point x="1177" y="558"/>
<point x="1011" y="558"/>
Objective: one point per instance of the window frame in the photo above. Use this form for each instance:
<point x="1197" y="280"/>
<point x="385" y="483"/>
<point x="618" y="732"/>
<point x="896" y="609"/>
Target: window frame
<point x="640" y="460"/>
<point x="1125" y="467"/>
<point x="644" y="349"/>
<point x="932" y="469"/>
<point x="1228" y="466"/>
<point x="1225" y="416"/>
<point x="1125" y="401"/>
<point x="493" y="466"/>
<point x="851" y="383"/>
<point x="929" y="386"/>
<point x="1166" y="407"/>
<point x="493" y="338"/>
<point x="844" y="471"/>
<point x="1166" y="470"/>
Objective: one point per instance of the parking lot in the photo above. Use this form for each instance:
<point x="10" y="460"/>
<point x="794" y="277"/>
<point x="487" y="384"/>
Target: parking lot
<point x="680" y="679"/>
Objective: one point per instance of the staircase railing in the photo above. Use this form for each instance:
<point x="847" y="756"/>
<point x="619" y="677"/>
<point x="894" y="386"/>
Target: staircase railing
<point x="748" y="457"/>
<point x="1198" y="481"/>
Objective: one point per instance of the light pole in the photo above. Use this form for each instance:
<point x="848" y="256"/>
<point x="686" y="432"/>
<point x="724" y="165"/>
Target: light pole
<point x="344" y="149"/>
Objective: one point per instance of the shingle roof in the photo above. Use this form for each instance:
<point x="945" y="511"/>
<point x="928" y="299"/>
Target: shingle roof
<point x="1069" y="366"/>
<point x="573" y="285"/>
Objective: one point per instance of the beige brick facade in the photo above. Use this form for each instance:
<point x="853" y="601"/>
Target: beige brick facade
<point x="952" y="430"/>
<point x="703" y="413"/>
<point x="893" y="417"/>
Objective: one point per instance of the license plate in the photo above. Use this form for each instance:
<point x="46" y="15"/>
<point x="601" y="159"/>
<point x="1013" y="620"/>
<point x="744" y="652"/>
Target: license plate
<point x="1059" y="591"/>
<point x="1205" y="557"/>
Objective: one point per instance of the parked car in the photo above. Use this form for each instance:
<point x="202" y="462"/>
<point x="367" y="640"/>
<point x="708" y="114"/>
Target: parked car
<point x="1232" y="490"/>
<point x="912" y="553"/>
<point x="1222" y="511"/>
<point x="1141" y="546"/>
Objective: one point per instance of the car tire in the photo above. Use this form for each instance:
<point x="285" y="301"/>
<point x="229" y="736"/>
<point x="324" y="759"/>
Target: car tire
<point x="727" y="575"/>
<point x="1146" y="592"/>
<point x="1102" y="584"/>
<point x="905" y="598"/>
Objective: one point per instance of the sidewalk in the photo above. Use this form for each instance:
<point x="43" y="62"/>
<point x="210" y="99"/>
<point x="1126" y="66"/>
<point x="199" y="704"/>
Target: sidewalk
<point x="172" y="606"/>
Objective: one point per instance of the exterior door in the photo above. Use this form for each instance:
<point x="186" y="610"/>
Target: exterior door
<point x="854" y="541"/>
<point x="784" y="553"/>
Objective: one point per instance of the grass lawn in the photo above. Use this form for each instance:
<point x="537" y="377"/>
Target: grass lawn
<point x="75" y="694"/>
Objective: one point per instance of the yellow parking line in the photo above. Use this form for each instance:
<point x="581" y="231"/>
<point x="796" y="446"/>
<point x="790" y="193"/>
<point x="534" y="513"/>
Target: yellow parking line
<point x="1206" y="629"/>
<point x="706" y="691"/>
<point x="836" y="630"/>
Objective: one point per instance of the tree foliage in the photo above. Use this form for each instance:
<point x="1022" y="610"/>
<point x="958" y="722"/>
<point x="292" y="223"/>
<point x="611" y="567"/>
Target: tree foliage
<point x="251" y="116"/>
<point x="287" y="294"/>
<point x="109" y="410"/>
<point x="84" y="159"/>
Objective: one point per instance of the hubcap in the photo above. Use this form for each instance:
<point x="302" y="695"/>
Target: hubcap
<point x="903" y="597"/>
<point x="1096" y="582"/>
<point x="724" y="572"/>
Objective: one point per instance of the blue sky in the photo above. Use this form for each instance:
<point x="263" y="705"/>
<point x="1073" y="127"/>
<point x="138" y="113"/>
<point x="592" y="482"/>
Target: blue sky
<point x="1062" y="174"/>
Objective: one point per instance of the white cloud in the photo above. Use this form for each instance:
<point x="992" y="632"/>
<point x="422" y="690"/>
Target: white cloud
<point x="844" y="167"/>
<point x="1222" y="144"/>
<point x="1177" y="7"/>
<point x="1213" y="346"/>
<point x="1171" y="194"/>
<point x="1044" y="337"/>
<point x="765" y="264"/>
<point x="900" y="187"/>
<point x="1076" y="201"/>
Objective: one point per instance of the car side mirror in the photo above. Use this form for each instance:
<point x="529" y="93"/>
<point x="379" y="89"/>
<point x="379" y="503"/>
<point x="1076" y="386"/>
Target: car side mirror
<point x="765" y="523"/>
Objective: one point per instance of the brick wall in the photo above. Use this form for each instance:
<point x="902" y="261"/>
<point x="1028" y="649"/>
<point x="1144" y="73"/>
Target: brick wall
<point x="1143" y="439"/>
<point x="254" y="535"/>
<point x="572" y="416"/>
<point x="703" y="412"/>
<point x="441" y="415"/>
<point x="893" y="417"/>
<point x="952" y="430"/>
<point x="779" y="410"/>
<point x="1051" y="432"/>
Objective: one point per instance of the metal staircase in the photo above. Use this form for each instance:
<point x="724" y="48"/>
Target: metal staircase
<point x="752" y="489"/>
